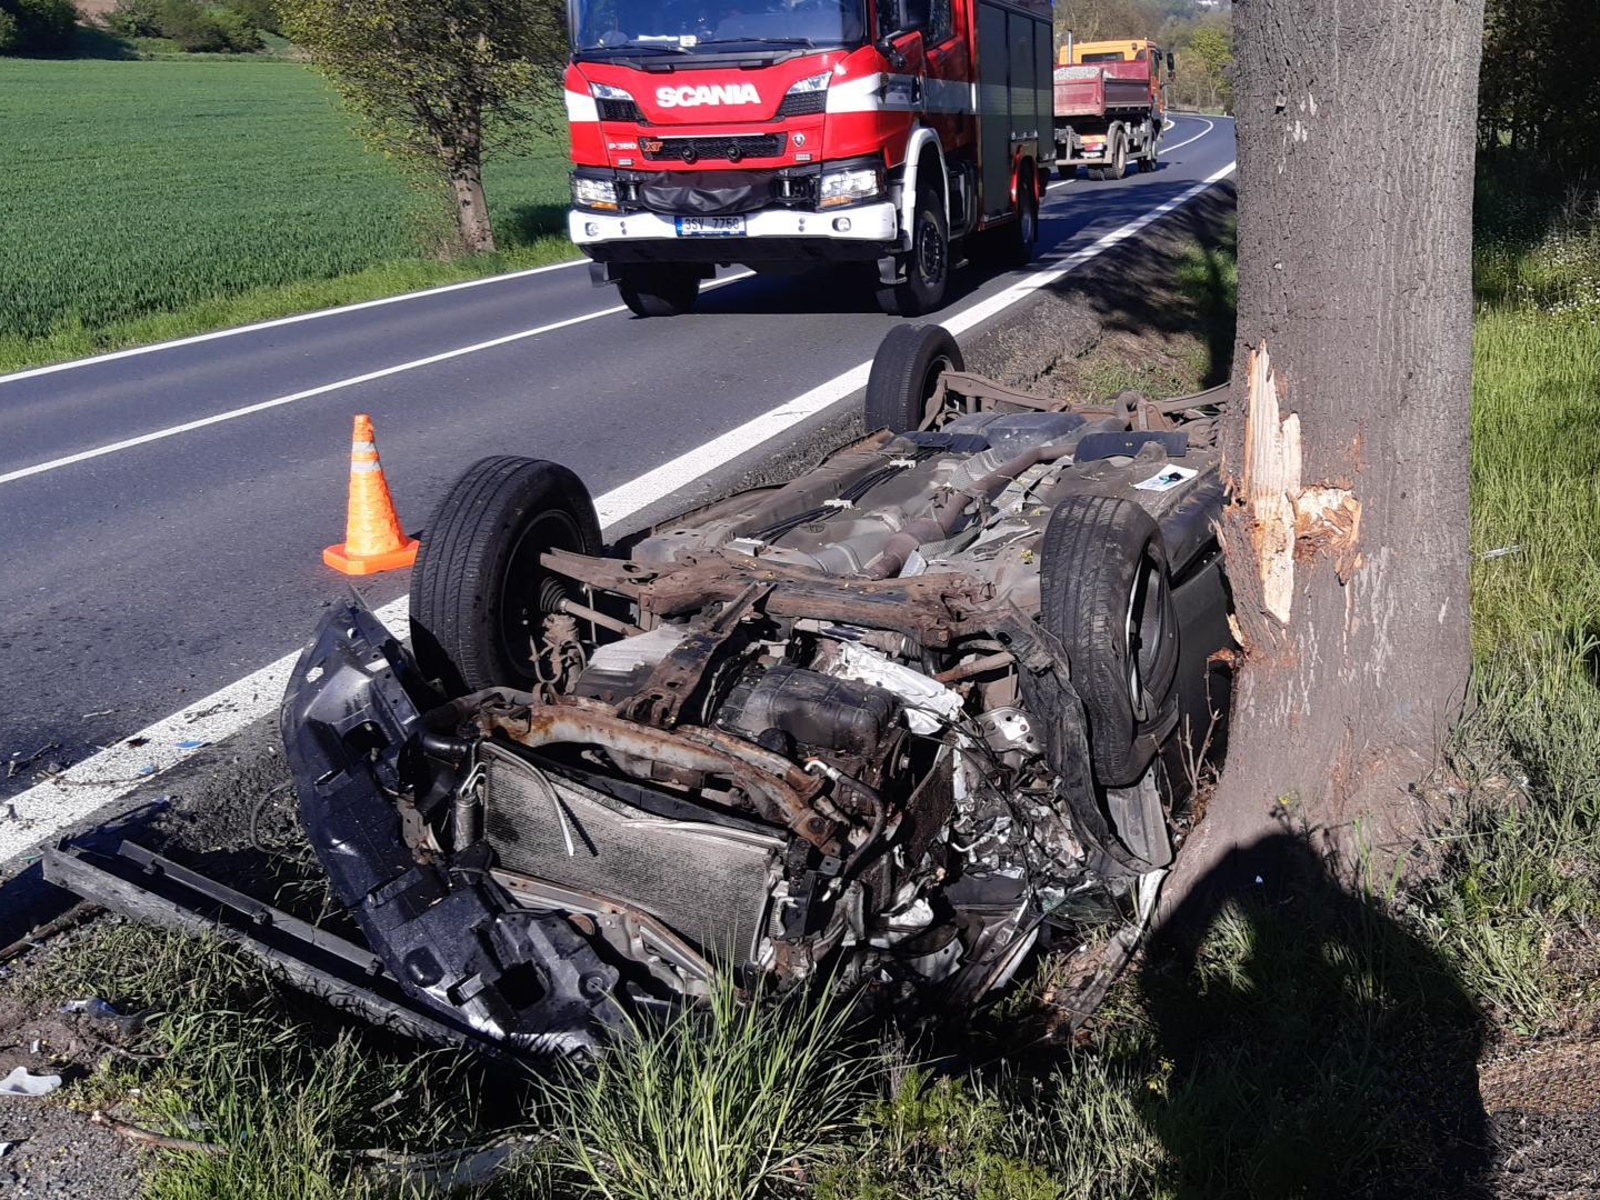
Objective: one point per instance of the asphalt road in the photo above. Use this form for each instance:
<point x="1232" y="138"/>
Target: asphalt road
<point x="137" y="580"/>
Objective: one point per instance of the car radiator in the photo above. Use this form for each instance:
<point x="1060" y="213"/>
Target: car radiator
<point x="709" y="883"/>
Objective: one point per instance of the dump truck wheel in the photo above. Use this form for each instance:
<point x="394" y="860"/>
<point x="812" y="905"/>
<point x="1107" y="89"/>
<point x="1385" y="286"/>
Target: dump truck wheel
<point x="928" y="266"/>
<point x="1105" y="595"/>
<point x="479" y="595"/>
<point x="1069" y="171"/>
<point x="659" y="291"/>
<point x="905" y="373"/>
<point x="1119" y="158"/>
<point x="1023" y="233"/>
<point x="1152" y="156"/>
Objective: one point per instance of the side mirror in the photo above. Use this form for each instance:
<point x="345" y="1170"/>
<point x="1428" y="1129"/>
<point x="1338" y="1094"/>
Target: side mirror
<point x="886" y="47"/>
<point x="1171" y="65"/>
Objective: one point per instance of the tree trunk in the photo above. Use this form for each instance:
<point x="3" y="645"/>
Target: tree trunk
<point x="1346" y="444"/>
<point x="472" y="210"/>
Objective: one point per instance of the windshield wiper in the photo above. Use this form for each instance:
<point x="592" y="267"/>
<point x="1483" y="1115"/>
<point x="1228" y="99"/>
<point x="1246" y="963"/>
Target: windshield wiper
<point x="759" y="41"/>
<point x="633" y="47"/>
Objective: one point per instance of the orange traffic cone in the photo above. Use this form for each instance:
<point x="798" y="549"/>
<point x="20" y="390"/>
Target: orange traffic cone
<point x="373" y="539"/>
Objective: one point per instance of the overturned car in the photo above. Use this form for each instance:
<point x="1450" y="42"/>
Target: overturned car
<point x="890" y="720"/>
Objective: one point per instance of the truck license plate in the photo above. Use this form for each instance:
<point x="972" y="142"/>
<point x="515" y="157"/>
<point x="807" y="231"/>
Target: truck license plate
<point x="710" y="226"/>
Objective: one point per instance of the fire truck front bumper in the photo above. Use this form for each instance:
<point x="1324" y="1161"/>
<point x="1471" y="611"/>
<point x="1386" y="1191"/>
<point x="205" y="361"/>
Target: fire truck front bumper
<point x="861" y="231"/>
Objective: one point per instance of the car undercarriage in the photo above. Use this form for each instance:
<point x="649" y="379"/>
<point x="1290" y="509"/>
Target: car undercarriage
<point x="889" y="722"/>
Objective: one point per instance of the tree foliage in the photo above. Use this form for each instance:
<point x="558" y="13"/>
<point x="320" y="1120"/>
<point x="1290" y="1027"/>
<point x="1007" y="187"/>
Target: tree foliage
<point x="37" y="26"/>
<point x="436" y="83"/>
<point x="1538" y="93"/>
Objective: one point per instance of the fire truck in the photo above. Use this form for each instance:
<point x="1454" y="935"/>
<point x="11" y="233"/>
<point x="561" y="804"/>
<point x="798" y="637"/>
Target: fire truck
<point x="787" y="134"/>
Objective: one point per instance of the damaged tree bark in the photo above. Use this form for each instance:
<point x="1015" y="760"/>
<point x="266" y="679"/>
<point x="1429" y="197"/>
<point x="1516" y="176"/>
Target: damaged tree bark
<point x="1347" y="439"/>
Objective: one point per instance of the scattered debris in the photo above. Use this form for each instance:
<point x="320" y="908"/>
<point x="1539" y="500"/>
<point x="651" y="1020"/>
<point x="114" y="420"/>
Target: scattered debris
<point x="23" y="1082"/>
<point x="21" y="762"/>
<point x="75" y="915"/>
<point x="147" y="1137"/>
<point x="97" y="1009"/>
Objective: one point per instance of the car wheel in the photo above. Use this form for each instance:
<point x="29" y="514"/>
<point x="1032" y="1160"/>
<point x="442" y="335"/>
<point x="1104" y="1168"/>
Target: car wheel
<point x="928" y="269"/>
<point x="659" y="291"/>
<point x="1105" y="595"/>
<point x="479" y="594"/>
<point x="905" y="374"/>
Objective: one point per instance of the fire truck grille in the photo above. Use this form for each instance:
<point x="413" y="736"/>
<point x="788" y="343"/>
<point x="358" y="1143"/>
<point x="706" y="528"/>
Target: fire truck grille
<point x="722" y="149"/>
<point x="803" y="104"/>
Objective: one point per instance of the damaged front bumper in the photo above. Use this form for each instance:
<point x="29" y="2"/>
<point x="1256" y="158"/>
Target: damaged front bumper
<point x="457" y="942"/>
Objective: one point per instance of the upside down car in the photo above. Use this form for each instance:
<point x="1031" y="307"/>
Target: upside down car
<point x="891" y="720"/>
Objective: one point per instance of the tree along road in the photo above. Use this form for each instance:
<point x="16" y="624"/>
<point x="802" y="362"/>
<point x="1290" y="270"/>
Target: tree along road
<point x="162" y="513"/>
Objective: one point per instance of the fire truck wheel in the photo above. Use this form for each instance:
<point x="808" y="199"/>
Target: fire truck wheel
<point x="905" y="375"/>
<point x="928" y="265"/>
<point x="659" y="291"/>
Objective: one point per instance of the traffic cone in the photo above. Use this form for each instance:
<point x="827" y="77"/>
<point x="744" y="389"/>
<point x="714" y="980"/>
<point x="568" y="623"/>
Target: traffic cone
<point x="373" y="539"/>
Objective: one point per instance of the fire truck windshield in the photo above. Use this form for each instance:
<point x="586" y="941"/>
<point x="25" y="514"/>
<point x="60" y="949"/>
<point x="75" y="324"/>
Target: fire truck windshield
<point x="627" y="27"/>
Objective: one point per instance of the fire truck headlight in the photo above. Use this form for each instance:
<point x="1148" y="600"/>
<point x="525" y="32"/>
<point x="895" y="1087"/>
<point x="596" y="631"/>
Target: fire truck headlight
<point x="594" y="193"/>
<point x="604" y="91"/>
<point x="814" y="83"/>
<point x="849" y="186"/>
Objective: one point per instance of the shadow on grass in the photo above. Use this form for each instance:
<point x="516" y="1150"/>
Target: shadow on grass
<point x="1310" y="1045"/>
<point x="92" y="42"/>
<point x="527" y="223"/>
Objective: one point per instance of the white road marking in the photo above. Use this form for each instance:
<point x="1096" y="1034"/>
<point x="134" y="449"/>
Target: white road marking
<point x="233" y="414"/>
<point x="117" y="770"/>
<point x="235" y="331"/>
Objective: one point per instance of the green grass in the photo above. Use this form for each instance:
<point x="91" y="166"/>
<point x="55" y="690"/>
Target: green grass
<point x="147" y="200"/>
<point x="289" y="1094"/>
<point x="1521" y="886"/>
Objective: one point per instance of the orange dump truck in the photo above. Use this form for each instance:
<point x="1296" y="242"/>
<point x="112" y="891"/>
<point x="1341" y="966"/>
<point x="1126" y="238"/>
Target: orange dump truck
<point x="1109" y="106"/>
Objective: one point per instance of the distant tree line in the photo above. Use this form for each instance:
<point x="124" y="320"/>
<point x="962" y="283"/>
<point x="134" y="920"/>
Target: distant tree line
<point x="1538" y="93"/>
<point x="232" y="27"/>
<point x="37" y="26"/>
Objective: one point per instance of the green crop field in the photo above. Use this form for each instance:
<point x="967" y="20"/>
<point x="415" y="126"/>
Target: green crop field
<point x="144" y="199"/>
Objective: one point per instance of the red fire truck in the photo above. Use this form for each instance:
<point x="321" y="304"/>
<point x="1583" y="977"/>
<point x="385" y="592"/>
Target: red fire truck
<point x="783" y="134"/>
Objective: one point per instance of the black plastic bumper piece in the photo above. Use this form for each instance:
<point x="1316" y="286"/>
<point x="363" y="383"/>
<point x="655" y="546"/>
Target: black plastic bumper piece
<point x="351" y="723"/>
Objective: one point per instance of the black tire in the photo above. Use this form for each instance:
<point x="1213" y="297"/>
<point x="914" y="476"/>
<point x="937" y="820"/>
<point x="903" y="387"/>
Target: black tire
<point x="928" y="267"/>
<point x="1096" y="173"/>
<point x="1119" y="157"/>
<point x="477" y="590"/>
<point x="1022" y="234"/>
<point x="659" y="291"/>
<point x="1105" y="595"/>
<point x="905" y="371"/>
<point x="1067" y="171"/>
<point x="1152" y="155"/>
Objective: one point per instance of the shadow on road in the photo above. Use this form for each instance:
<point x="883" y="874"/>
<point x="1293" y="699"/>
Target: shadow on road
<point x="1309" y="1045"/>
